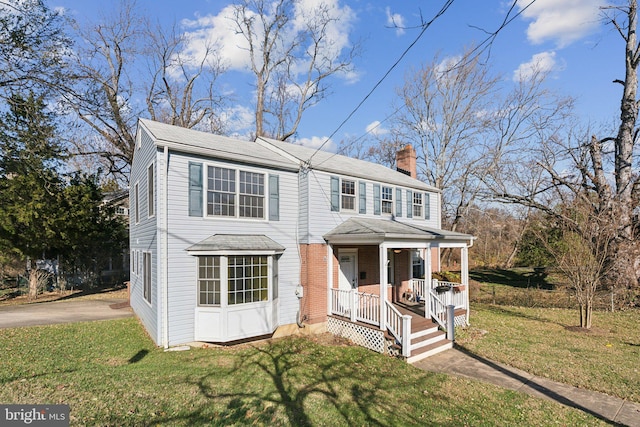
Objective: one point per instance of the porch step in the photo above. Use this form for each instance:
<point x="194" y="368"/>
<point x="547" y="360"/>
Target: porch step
<point x="430" y="350"/>
<point x="425" y="340"/>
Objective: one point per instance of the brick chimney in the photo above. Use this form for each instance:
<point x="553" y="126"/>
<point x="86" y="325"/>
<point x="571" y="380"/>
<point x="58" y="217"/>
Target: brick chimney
<point x="406" y="161"/>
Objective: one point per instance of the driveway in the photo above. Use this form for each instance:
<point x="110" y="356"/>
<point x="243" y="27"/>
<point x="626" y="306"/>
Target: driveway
<point x="48" y="313"/>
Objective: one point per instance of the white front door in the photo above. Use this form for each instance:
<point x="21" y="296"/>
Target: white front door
<point x="348" y="260"/>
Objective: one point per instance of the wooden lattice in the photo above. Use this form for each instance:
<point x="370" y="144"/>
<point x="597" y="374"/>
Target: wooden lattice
<point x="460" y="321"/>
<point x="361" y="335"/>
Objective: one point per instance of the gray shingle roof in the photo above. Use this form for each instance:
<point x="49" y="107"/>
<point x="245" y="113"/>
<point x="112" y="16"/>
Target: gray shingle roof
<point x="237" y="242"/>
<point x="208" y="144"/>
<point x="382" y="229"/>
<point x="343" y="165"/>
<point x="275" y="154"/>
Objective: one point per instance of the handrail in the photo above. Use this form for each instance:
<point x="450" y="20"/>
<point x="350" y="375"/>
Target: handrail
<point x="394" y="323"/>
<point x="438" y="309"/>
<point x="399" y="326"/>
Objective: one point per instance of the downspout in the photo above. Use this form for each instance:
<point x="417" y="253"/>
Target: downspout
<point x="165" y="250"/>
<point x="299" y="288"/>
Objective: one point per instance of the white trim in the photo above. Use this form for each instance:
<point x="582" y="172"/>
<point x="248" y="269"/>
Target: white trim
<point x="329" y="276"/>
<point x="354" y="195"/>
<point x="382" y="259"/>
<point x="236" y="252"/>
<point x="163" y="250"/>
<point x="349" y="252"/>
<point x="151" y="198"/>
<point x="237" y="168"/>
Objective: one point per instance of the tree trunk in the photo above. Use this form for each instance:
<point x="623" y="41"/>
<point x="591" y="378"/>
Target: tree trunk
<point x="33" y="284"/>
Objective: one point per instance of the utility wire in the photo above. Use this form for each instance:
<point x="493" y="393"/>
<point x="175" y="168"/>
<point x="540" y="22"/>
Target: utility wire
<point x="425" y="26"/>
<point x="477" y="51"/>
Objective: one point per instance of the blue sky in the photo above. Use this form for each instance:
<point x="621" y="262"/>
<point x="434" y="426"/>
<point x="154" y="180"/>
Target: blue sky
<point x="583" y="55"/>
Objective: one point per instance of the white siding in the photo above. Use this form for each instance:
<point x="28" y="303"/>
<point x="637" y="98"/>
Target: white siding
<point x="324" y="220"/>
<point x="143" y="236"/>
<point x="185" y="231"/>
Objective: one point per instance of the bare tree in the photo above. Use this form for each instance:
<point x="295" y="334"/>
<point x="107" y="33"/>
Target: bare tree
<point x="104" y="98"/>
<point x="573" y="163"/>
<point x="581" y="250"/>
<point x="115" y="56"/>
<point x="183" y="92"/>
<point x="292" y="55"/>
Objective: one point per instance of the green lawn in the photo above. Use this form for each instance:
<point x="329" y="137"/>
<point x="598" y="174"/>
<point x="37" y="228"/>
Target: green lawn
<point x="110" y="373"/>
<point x="547" y="343"/>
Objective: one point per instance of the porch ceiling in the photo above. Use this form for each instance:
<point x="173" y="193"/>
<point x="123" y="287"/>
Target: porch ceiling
<point x="376" y="231"/>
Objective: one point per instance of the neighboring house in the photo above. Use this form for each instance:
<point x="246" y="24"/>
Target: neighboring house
<point x="116" y="270"/>
<point x="233" y="240"/>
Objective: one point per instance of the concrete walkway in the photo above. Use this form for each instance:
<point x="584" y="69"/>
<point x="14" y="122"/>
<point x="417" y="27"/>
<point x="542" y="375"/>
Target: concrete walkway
<point x="67" y="311"/>
<point x="457" y="362"/>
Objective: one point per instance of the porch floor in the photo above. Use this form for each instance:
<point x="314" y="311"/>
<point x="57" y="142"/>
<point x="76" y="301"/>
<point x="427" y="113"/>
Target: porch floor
<point x="416" y="311"/>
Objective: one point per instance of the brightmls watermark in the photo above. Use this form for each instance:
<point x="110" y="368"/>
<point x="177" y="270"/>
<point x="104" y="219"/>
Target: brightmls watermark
<point x="34" y="415"/>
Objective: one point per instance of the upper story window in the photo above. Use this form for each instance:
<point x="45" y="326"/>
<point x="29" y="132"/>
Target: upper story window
<point x="348" y="195"/>
<point x="221" y="191"/>
<point x="232" y="193"/>
<point x="387" y="200"/>
<point x="136" y="204"/>
<point x="417" y="205"/>
<point x="251" y="195"/>
<point x="151" y="193"/>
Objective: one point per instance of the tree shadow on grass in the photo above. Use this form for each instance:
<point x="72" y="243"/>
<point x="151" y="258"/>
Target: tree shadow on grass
<point x="294" y="382"/>
<point x="507" y="311"/>
<point x="521" y="278"/>
<point x="545" y="388"/>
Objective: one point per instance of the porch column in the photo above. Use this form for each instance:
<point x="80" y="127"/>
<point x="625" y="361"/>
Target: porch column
<point x="427" y="281"/>
<point x="464" y="275"/>
<point x="383" y="285"/>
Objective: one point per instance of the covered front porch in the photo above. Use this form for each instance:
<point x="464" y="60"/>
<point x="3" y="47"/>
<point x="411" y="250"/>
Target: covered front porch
<point x="382" y="286"/>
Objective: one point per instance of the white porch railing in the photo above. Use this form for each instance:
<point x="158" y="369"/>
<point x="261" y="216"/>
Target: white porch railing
<point x="438" y="309"/>
<point x="399" y="326"/>
<point x="418" y="288"/>
<point x="357" y="306"/>
<point x="456" y="294"/>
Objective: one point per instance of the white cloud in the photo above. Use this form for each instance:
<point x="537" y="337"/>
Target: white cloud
<point x="395" y="20"/>
<point x="543" y="62"/>
<point x="216" y="30"/>
<point x="375" y="129"/>
<point x="239" y="121"/>
<point x="316" y="142"/>
<point x="564" y="21"/>
<point x="220" y="31"/>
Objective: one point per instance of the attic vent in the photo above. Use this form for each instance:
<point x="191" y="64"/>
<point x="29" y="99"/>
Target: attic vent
<point x="404" y="171"/>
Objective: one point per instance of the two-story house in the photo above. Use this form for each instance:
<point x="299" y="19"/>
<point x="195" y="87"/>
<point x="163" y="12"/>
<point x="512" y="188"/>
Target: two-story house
<point x="234" y="240"/>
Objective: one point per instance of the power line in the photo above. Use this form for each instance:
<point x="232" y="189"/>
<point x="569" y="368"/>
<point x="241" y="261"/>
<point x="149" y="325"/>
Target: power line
<point x="425" y="26"/>
<point x="474" y="53"/>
